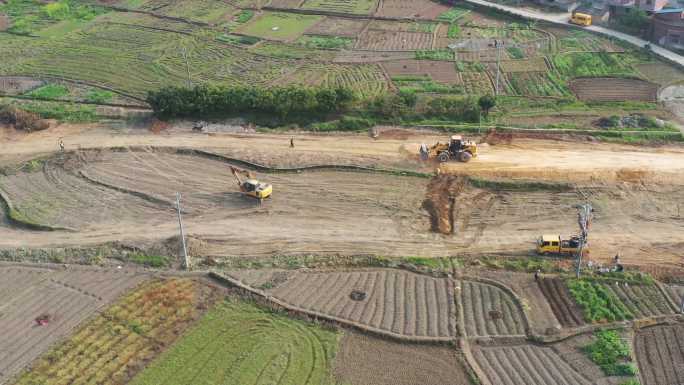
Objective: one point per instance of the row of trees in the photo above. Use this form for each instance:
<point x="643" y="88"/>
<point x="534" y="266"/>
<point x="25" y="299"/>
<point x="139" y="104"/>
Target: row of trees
<point x="295" y="103"/>
<point x="172" y="102"/>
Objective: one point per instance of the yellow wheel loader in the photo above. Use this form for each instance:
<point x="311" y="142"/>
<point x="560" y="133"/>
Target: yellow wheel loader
<point x="457" y="148"/>
<point x="250" y="186"/>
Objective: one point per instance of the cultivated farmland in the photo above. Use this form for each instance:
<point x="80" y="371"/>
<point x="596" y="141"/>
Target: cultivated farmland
<point x="418" y="9"/>
<point x="396" y="301"/>
<point x="439" y="71"/>
<point x="490" y="311"/>
<point x="562" y="304"/>
<point x="641" y="300"/>
<point x="239" y="343"/>
<point x="366" y="80"/>
<point x="526" y="364"/>
<point x="362" y="7"/>
<point x="614" y="89"/>
<point x="337" y="26"/>
<point x="660" y="354"/>
<point x="64" y="297"/>
<point x="365" y="360"/>
<point x="279" y="26"/>
<point x="383" y="40"/>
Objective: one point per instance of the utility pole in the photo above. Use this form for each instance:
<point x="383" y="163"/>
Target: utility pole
<point x="497" y="45"/>
<point x="182" y="235"/>
<point x="584" y="217"/>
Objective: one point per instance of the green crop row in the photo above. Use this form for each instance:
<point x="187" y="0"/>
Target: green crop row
<point x="597" y="303"/>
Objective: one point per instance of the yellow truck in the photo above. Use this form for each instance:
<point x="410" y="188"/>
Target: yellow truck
<point x="578" y="18"/>
<point x="555" y="244"/>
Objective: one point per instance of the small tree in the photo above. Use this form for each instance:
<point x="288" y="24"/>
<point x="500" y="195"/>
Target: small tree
<point x="486" y="103"/>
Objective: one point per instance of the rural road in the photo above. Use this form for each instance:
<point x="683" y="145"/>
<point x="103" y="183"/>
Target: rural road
<point x="562" y="18"/>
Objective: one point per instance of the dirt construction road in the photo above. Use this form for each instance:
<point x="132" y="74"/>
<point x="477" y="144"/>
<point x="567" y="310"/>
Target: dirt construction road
<point x="127" y="194"/>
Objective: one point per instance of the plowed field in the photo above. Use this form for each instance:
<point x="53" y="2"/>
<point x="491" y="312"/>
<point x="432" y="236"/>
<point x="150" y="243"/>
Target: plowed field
<point x="396" y="301"/>
<point x="525" y="365"/>
<point x="364" y="360"/>
<point x="613" y="89"/>
<point x="66" y="297"/>
<point x="489" y="311"/>
<point x="381" y="40"/>
<point x="642" y="300"/>
<point x="335" y="26"/>
<point x="413" y="9"/>
<point x="439" y="71"/>
<point x="562" y="304"/>
<point x="660" y="354"/>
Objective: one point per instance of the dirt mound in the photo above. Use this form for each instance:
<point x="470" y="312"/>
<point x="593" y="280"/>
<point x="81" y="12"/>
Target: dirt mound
<point x="194" y="246"/>
<point x="440" y="200"/>
<point x="494" y="137"/>
<point x="22" y="120"/>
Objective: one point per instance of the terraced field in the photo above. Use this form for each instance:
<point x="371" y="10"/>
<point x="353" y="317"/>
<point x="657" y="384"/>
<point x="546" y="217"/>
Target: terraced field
<point x="337" y="26"/>
<point x="383" y="40"/>
<point x="65" y="297"/>
<point x="414" y="9"/>
<point x="366" y="360"/>
<point x="439" y="71"/>
<point x="564" y="308"/>
<point x="641" y="300"/>
<point x="660" y="354"/>
<point x="396" y="301"/>
<point x="614" y="89"/>
<point x="240" y="343"/>
<point x="362" y="7"/>
<point x="366" y="80"/>
<point x="525" y="365"/>
<point x="489" y="311"/>
<point x="676" y="292"/>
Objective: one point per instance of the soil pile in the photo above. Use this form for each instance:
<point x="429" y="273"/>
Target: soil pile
<point x="440" y="200"/>
<point x="22" y="120"/>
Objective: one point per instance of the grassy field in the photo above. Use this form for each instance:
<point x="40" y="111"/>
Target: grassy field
<point x="240" y="343"/>
<point x="114" y="345"/>
<point x="363" y="7"/>
<point x="279" y="26"/>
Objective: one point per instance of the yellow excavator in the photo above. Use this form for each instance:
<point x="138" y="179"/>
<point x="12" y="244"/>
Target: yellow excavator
<point x="250" y="186"/>
<point x="457" y="148"/>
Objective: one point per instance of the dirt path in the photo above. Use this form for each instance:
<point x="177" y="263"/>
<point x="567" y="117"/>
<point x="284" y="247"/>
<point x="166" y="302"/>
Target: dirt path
<point x="128" y="195"/>
<point x="525" y="158"/>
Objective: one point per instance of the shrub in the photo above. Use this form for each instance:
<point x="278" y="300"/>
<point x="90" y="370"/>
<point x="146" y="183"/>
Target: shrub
<point x="149" y="260"/>
<point x="173" y="102"/>
<point x="99" y="96"/>
<point x="49" y="91"/>
<point x="455" y="108"/>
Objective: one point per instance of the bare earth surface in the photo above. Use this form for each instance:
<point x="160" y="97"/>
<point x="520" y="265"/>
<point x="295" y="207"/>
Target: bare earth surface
<point x="118" y="195"/>
<point x="365" y="360"/>
<point x="67" y="297"/>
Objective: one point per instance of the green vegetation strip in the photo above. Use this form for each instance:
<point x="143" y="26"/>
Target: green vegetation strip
<point x="597" y="303"/>
<point x="240" y="343"/>
<point x="609" y="352"/>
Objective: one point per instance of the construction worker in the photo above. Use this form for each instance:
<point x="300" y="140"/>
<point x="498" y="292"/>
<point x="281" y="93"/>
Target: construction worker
<point x="536" y="274"/>
<point x="292" y="142"/>
<point x="60" y="143"/>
